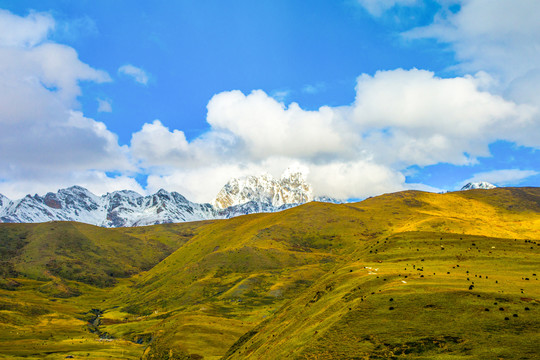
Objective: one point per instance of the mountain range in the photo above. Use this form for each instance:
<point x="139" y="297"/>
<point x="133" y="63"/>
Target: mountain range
<point x="240" y="196"/>
<point x="125" y="208"/>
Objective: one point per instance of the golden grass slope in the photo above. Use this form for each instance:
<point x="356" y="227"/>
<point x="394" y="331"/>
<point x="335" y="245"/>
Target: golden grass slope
<point x="404" y="275"/>
<point x="455" y="279"/>
<point x="86" y="253"/>
<point x="247" y="268"/>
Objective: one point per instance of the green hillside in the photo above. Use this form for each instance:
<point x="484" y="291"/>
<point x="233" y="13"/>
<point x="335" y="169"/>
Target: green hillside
<point x="409" y="275"/>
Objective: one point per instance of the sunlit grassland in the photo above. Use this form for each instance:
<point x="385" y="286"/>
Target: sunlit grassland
<point x="410" y="306"/>
<point x="404" y="275"/>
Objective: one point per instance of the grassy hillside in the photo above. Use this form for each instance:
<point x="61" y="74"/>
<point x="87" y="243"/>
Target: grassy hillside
<point x="86" y="253"/>
<point x="466" y="296"/>
<point x="403" y="275"/>
<point x="54" y="274"/>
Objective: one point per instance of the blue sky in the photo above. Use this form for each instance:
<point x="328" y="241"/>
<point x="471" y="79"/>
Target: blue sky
<point x="363" y="96"/>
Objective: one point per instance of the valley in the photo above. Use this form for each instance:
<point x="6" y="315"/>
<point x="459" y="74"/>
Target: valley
<point x="408" y="275"/>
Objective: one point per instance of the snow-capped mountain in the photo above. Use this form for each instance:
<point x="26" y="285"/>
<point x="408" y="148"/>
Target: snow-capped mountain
<point x="120" y="208"/>
<point x="127" y="208"/>
<point x="292" y="188"/>
<point x="478" y="185"/>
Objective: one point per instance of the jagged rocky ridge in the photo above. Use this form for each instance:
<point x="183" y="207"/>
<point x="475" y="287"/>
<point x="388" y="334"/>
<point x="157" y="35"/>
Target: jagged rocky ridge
<point x="127" y="208"/>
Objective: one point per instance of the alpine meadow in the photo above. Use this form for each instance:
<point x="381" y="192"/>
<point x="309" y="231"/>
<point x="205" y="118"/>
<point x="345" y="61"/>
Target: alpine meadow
<point x="270" y="180"/>
<point x="410" y="275"/>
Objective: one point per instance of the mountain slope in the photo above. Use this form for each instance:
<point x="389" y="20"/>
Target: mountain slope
<point x="63" y="251"/>
<point x="389" y="277"/>
<point x="249" y="267"/>
<point x="421" y="294"/>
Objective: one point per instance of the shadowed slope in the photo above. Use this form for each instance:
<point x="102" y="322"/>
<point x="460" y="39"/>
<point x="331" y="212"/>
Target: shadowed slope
<point x="86" y="253"/>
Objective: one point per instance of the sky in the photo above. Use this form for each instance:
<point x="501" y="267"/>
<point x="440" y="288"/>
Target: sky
<point x="363" y="96"/>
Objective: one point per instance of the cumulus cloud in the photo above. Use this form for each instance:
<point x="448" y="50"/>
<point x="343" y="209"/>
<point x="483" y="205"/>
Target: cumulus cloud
<point x="43" y="138"/>
<point x="24" y="31"/>
<point x="341" y="180"/>
<point x="264" y="126"/>
<point x="399" y="118"/>
<point x="138" y="74"/>
<point x="414" y="117"/>
<point x="156" y="145"/>
<point x="200" y="184"/>
<point x="104" y="105"/>
<point x="502" y="177"/>
<point x="354" y="179"/>
<point x="98" y="182"/>
<point x="501" y="37"/>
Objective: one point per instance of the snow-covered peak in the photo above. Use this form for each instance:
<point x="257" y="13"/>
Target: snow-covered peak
<point x="478" y="185"/>
<point x="291" y="188"/>
<point x="122" y="199"/>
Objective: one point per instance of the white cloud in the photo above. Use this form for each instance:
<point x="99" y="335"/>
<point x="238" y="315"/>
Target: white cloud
<point x="413" y="117"/>
<point x="497" y="37"/>
<point x="338" y="179"/>
<point x="501" y="37"/>
<point x="138" y="74"/>
<point x="156" y="145"/>
<point x="399" y="118"/>
<point x="96" y="181"/>
<point x="200" y="184"/>
<point x="43" y="139"/>
<point x="266" y="127"/>
<point x="502" y="177"/>
<point x="104" y="105"/>
<point x="24" y="31"/>
<point x="378" y="7"/>
<point x="52" y="70"/>
<point x="354" y="179"/>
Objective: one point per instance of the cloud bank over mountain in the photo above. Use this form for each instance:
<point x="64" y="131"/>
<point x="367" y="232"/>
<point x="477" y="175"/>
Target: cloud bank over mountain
<point x="45" y="140"/>
<point x="399" y="117"/>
